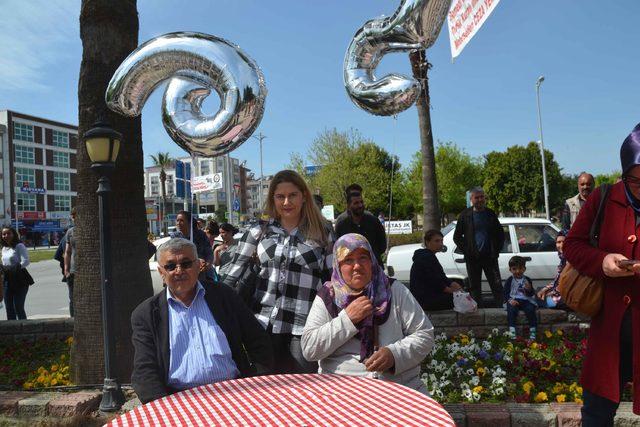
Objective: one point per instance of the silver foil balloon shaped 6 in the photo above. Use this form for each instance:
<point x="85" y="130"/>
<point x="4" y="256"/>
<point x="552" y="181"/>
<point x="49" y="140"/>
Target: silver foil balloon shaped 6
<point x="194" y="63"/>
<point x="415" y="24"/>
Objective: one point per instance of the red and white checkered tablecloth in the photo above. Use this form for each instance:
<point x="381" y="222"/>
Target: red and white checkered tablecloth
<point x="300" y="400"/>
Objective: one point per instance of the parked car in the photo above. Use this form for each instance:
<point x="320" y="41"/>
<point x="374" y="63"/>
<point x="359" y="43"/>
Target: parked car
<point x="532" y="238"/>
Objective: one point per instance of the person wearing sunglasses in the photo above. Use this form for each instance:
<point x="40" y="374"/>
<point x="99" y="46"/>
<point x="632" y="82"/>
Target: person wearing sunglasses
<point x="188" y="335"/>
<point x="613" y="351"/>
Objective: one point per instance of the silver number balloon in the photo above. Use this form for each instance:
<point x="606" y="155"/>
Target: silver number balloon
<point x="415" y="24"/>
<point x="194" y="63"/>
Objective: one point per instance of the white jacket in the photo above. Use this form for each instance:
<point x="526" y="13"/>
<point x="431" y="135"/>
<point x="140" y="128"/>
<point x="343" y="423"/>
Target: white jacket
<point x="408" y="333"/>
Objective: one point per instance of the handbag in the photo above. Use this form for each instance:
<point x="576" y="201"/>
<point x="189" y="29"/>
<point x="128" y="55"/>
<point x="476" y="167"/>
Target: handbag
<point x="24" y="277"/>
<point x="581" y="293"/>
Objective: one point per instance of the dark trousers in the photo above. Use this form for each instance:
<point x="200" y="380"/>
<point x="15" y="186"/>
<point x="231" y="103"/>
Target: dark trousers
<point x="14" y="301"/>
<point x="287" y="352"/>
<point x="475" y="267"/>
<point x="529" y="311"/>
<point x="70" y="280"/>
<point x="598" y="411"/>
<point x="438" y="302"/>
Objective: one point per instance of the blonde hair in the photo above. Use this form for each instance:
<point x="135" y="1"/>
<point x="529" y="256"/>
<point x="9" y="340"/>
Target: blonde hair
<point x="312" y="223"/>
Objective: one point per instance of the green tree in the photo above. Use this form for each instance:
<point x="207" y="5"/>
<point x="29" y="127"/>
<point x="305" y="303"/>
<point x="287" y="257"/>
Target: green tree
<point x="163" y="160"/>
<point x="456" y="173"/>
<point x="513" y="180"/>
<point x="607" y="178"/>
<point x="346" y="158"/>
<point x="131" y="278"/>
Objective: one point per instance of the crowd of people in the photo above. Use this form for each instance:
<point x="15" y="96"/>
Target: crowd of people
<point x="295" y="294"/>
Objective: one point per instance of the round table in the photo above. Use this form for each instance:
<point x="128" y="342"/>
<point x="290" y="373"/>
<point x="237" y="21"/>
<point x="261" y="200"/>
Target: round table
<point x="301" y="400"/>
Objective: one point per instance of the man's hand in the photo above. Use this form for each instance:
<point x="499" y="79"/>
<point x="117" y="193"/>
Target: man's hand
<point x="611" y="269"/>
<point x="380" y="361"/>
<point x="514" y="303"/>
<point x="66" y="272"/>
<point x="360" y="308"/>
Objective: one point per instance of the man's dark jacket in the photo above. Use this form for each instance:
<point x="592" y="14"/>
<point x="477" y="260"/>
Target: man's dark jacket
<point x="250" y="345"/>
<point x="464" y="236"/>
<point x="370" y="227"/>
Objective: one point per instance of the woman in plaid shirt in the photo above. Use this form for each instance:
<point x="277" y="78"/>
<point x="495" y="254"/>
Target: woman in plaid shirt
<point x="294" y="253"/>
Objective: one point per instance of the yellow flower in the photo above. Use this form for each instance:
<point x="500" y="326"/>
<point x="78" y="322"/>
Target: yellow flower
<point x="481" y="371"/>
<point x="557" y="388"/>
<point x="541" y="397"/>
<point x="40" y="379"/>
<point x="548" y="333"/>
<point x="527" y="387"/>
<point x="478" y="389"/>
<point x="41" y="370"/>
<point x="54" y="368"/>
<point x="534" y="345"/>
<point x="69" y="341"/>
<point x="464" y="340"/>
<point x="54" y="382"/>
<point x="577" y="400"/>
<point x="561" y="398"/>
<point x="478" y="364"/>
<point x="63" y="357"/>
<point x="27" y="385"/>
<point x="559" y="332"/>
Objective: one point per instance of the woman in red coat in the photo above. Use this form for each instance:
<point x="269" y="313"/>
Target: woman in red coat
<point x="611" y="360"/>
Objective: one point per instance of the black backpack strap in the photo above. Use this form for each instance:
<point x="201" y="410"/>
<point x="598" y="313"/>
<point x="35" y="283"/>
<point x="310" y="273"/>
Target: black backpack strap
<point x="594" y="233"/>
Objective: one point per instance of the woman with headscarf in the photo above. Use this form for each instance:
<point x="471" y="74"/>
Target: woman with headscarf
<point x="363" y="324"/>
<point x="613" y="350"/>
<point x="549" y="296"/>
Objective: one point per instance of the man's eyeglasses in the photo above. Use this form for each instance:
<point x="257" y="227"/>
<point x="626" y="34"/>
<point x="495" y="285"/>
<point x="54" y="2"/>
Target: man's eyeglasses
<point x="184" y="265"/>
<point x="631" y="181"/>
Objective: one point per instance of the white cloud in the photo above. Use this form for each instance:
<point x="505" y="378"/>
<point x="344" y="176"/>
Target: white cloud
<point x="35" y="34"/>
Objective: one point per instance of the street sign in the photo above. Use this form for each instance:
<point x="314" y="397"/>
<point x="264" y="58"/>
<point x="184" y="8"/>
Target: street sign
<point x="200" y="184"/>
<point x="398" y="227"/>
<point x="236" y="205"/>
<point x="33" y="190"/>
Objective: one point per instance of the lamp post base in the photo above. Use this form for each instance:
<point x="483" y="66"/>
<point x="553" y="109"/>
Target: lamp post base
<point x="112" y="396"/>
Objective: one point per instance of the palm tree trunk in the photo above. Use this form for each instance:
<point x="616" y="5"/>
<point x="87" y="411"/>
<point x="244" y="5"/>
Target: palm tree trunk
<point x="109" y="32"/>
<point x="163" y="191"/>
<point x="431" y="212"/>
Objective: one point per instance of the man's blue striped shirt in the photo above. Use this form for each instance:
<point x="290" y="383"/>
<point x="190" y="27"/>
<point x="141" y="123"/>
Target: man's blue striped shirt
<point x="199" y="352"/>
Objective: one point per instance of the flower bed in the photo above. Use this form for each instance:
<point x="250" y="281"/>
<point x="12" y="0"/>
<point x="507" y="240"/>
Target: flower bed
<point x="32" y="365"/>
<point x="499" y="369"/>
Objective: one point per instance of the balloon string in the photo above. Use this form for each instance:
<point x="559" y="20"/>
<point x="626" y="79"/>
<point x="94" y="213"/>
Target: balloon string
<point x="192" y="175"/>
<point x="393" y="164"/>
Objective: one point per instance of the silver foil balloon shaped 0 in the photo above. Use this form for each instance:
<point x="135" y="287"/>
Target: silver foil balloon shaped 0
<point x="415" y="24"/>
<point x="193" y="64"/>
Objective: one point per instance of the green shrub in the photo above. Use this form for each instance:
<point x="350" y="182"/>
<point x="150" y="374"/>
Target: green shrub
<point x="404" y="239"/>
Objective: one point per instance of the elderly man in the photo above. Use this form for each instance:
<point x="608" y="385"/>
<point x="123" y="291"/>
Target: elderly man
<point x="573" y="205"/>
<point x="480" y="237"/>
<point x="186" y="335"/>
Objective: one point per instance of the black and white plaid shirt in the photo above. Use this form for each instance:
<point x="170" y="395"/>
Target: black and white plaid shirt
<point x="291" y="270"/>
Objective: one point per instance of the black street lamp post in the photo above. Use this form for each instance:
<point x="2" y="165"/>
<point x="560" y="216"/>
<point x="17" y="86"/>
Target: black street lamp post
<point x="103" y="144"/>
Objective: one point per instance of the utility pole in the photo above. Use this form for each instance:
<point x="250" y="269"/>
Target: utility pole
<point x="544" y="167"/>
<point x="260" y="137"/>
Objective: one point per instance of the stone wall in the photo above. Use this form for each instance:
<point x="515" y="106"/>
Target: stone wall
<point x="31" y="330"/>
<point x="483" y="321"/>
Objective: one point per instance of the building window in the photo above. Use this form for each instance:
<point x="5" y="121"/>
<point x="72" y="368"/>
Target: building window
<point x="26" y="202"/>
<point x="61" y="181"/>
<point x="60" y="139"/>
<point x="25" y="154"/>
<point x="168" y="185"/>
<point x="204" y="167"/>
<point x="155" y="185"/>
<point x="23" y="132"/>
<point x="60" y="159"/>
<point x="25" y="177"/>
<point x="62" y="203"/>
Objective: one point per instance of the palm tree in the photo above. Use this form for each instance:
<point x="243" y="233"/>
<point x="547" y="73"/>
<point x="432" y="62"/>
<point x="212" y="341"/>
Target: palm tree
<point x="163" y="160"/>
<point x="431" y="212"/>
<point x="109" y="32"/>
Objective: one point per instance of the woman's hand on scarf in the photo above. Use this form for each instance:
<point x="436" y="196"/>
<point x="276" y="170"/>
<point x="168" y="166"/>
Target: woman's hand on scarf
<point x="359" y="308"/>
<point x="380" y="361"/>
<point x="611" y="269"/>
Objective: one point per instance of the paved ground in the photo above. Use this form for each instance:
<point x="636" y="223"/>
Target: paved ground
<point x="48" y="296"/>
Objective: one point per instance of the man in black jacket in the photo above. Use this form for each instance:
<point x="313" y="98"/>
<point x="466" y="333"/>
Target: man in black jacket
<point x="479" y="235"/>
<point x="357" y="220"/>
<point x="186" y="335"/>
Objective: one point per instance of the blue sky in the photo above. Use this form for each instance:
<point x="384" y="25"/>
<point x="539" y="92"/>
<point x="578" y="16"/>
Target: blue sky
<point x="484" y="101"/>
